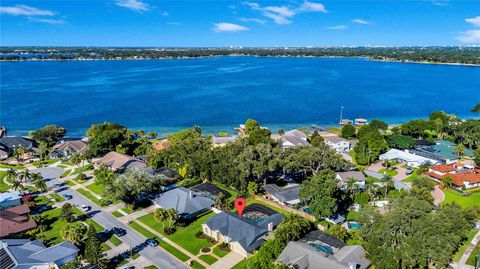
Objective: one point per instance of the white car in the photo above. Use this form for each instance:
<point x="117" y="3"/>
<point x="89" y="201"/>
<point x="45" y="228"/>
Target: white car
<point x="85" y="208"/>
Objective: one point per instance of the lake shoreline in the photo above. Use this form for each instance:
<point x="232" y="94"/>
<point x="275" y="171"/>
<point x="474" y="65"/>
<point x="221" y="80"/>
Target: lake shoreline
<point x="246" y="55"/>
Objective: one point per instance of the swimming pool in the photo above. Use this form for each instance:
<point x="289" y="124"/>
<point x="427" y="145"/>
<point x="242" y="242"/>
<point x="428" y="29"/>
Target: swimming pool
<point x="322" y="248"/>
<point x="354" y="225"/>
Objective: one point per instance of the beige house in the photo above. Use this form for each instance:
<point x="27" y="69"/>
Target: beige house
<point x="118" y="161"/>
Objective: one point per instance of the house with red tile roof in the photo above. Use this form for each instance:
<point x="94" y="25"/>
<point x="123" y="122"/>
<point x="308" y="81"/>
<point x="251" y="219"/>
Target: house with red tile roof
<point x="461" y="175"/>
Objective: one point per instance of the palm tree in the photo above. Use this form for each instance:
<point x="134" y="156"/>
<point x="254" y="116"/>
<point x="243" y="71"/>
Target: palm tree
<point x="447" y="182"/>
<point x="39" y="182"/>
<point x="386" y="179"/>
<point x="172" y="217"/>
<point x="18" y="153"/>
<point x="75" y="159"/>
<point x="25" y="175"/>
<point x="11" y="174"/>
<point x="17" y="185"/>
<point x="43" y="150"/>
<point x="351" y="186"/>
<point x="159" y="215"/>
<point x="460" y="150"/>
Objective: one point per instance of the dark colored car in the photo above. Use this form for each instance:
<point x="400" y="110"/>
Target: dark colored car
<point x="119" y="231"/>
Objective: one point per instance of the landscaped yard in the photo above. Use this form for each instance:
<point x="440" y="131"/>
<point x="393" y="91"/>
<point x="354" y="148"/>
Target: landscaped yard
<point x="389" y="172"/>
<point x="184" y="236"/>
<point x="208" y="259"/>
<point x="169" y="248"/>
<point x="70" y="183"/>
<point x="44" y="163"/>
<point x="96" y="188"/>
<point x="464" y="201"/>
<point x="8" y="166"/>
<point x="241" y="265"/>
<point x="219" y="252"/>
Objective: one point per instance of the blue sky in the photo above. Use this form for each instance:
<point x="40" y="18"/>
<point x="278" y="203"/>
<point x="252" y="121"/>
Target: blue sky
<point x="239" y="23"/>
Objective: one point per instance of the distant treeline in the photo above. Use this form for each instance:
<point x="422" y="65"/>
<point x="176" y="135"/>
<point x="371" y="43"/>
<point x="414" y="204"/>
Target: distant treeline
<point x="460" y="55"/>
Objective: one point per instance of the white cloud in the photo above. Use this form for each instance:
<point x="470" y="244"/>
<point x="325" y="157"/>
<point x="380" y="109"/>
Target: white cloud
<point x="337" y="27"/>
<point x="259" y="21"/>
<point x="285" y="14"/>
<point x="135" y="5"/>
<point x="360" y="21"/>
<point x="440" y="3"/>
<point x="470" y="36"/>
<point x="174" y="23"/>
<point x="165" y="14"/>
<point x="47" y="21"/>
<point x="24" y="10"/>
<point x="228" y="27"/>
<point x="475" y="21"/>
<point x="312" y="7"/>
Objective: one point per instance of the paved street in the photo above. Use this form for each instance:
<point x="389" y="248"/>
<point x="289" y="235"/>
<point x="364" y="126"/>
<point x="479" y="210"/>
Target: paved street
<point x="156" y="255"/>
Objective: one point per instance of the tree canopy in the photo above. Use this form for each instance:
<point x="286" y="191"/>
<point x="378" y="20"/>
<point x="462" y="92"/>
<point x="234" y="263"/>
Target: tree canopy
<point x="48" y="133"/>
<point x="320" y="193"/>
<point x="348" y="131"/>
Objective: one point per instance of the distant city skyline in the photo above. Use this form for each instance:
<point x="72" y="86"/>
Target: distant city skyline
<point x="145" y="23"/>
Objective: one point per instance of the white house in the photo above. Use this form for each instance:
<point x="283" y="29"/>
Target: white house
<point x="409" y="159"/>
<point x="338" y="144"/>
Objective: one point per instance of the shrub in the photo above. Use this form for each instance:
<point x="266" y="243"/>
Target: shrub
<point x="169" y="230"/>
<point x="206" y="250"/>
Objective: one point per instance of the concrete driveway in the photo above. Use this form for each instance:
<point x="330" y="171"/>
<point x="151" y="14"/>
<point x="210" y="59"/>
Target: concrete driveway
<point x="156" y="255"/>
<point x="228" y="261"/>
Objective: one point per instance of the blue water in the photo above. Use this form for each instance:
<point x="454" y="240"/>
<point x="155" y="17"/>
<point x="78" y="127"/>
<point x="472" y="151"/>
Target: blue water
<point x="322" y="248"/>
<point x="354" y="225"/>
<point x="220" y="93"/>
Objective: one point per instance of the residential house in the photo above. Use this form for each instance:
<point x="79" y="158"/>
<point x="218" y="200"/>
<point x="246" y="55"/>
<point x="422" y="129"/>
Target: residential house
<point x="398" y="184"/>
<point x="344" y="177"/>
<point x="23" y="253"/>
<point x="462" y="176"/>
<point x="319" y="250"/>
<point x="409" y="159"/>
<point x="15" y="220"/>
<point x="220" y="141"/>
<point x="186" y="202"/>
<point x="67" y="148"/>
<point x="10" y="143"/>
<point x="242" y="234"/>
<point x="285" y="196"/>
<point x="10" y="199"/>
<point x="442" y="150"/>
<point x="209" y="190"/>
<point x="294" y="138"/>
<point x="161" y="145"/>
<point x="338" y="144"/>
<point x="3" y="152"/>
<point x="120" y="162"/>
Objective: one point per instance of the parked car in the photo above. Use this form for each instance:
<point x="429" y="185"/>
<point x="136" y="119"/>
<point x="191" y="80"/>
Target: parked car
<point x="43" y="208"/>
<point x="67" y="196"/>
<point x="152" y="242"/>
<point x="119" y="231"/>
<point x="409" y="171"/>
<point x="85" y="208"/>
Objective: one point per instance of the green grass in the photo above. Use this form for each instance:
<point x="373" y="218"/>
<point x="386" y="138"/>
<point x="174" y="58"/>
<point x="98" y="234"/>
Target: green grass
<point x="169" y="248"/>
<point x="389" y="172"/>
<point x="45" y="162"/>
<point x="8" y="166"/>
<point x="196" y="265"/>
<point x="220" y="253"/>
<point x="65" y="173"/>
<point x="96" y="188"/>
<point x="82" y="169"/>
<point x="115" y="241"/>
<point x="184" y="236"/>
<point x="89" y="195"/>
<point x="241" y="265"/>
<point x="464" y="201"/>
<point x="57" y="197"/>
<point x="52" y="234"/>
<point x="70" y="183"/>
<point x="463" y="247"/>
<point x="42" y="199"/>
<point x="62" y="166"/>
<point x="135" y="256"/>
<point x="208" y="259"/>
<point x="471" y="258"/>
<point x="117" y="214"/>
<point x="3" y="186"/>
<point x="98" y="228"/>
<point x="151" y="267"/>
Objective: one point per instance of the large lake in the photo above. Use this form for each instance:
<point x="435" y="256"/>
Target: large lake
<point x="220" y="93"/>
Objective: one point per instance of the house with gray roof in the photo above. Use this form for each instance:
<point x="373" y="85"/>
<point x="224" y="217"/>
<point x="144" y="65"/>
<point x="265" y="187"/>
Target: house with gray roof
<point x="319" y="250"/>
<point x="398" y="184"/>
<point x="219" y="141"/>
<point x="285" y="196"/>
<point x="243" y="234"/>
<point x="67" y="148"/>
<point x="344" y="177"/>
<point x="187" y="203"/>
<point x="23" y="253"/>
<point x="338" y="144"/>
<point x="10" y="199"/>
<point x="10" y="143"/>
<point x="294" y="138"/>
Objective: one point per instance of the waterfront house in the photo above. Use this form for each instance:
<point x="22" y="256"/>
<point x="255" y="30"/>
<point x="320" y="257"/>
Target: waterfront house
<point x="10" y="199"/>
<point x="442" y="151"/>
<point x="285" y="196"/>
<point x="186" y="202"/>
<point x="319" y="250"/>
<point x="220" y="141"/>
<point x="23" y="253"/>
<point x="67" y="148"/>
<point x="344" y="177"/>
<point x="462" y="176"/>
<point x="120" y="162"/>
<point x="409" y="159"/>
<point x="242" y="234"/>
<point x="338" y="144"/>
<point x="15" y="220"/>
<point x="10" y="143"/>
<point x="294" y="138"/>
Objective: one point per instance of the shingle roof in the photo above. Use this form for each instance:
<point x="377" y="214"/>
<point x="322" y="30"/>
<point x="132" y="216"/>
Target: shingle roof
<point x="294" y="140"/>
<point x="357" y="175"/>
<point x="296" y="133"/>
<point x="224" y="139"/>
<point x="78" y="146"/>
<point x="29" y="253"/>
<point x="335" y="139"/>
<point x="242" y="230"/>
<point x="117" y="160"/>
<point x="12" y="142"/>
<point x="14" y="220"/>
<point x="183" y="201"/>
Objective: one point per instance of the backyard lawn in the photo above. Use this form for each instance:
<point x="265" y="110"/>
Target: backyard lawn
<point x="464" y="201"/>
<point x="184" y="236"/>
